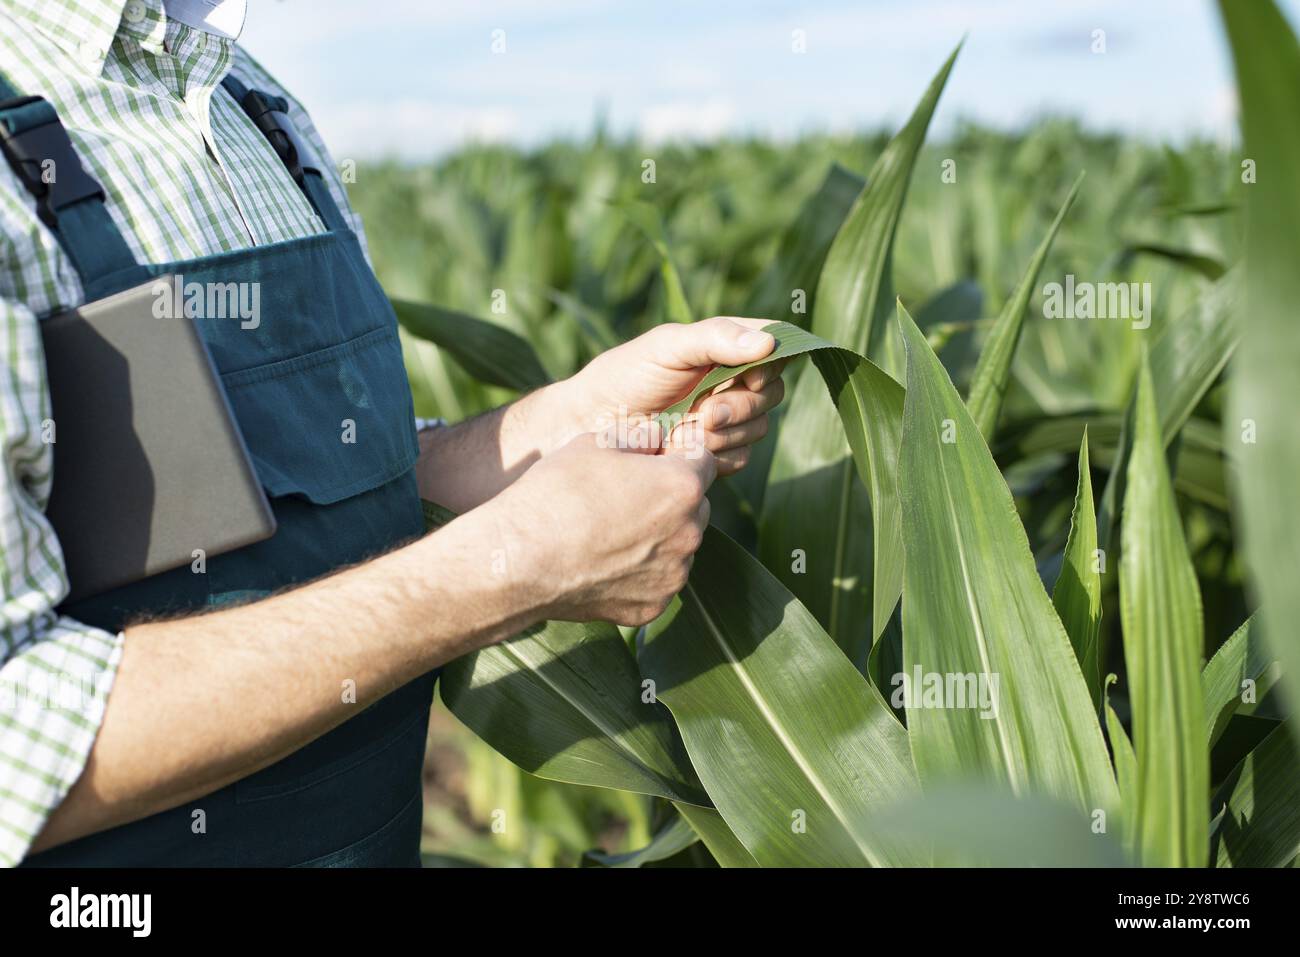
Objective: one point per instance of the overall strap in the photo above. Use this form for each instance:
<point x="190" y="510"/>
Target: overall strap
<point x="68" y="199"/>
<point x="270" y="114"/>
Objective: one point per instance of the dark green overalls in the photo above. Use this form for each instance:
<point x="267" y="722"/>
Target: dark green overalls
<point x="326" y="350"/>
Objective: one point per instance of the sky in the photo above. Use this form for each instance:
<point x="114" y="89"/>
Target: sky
<point x="418" y="78"/>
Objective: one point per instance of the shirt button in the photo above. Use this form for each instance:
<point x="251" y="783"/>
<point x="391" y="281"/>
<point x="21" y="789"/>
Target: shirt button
<point x="134" y="11"/>
<point x="89" y="52"/>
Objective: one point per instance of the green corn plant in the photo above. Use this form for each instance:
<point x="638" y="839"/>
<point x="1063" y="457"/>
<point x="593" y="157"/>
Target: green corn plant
<point x="926" y="508"/>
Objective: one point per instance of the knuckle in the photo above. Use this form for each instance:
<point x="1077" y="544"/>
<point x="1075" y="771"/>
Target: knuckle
<point x="692" y="538"/>
<point x="664" y="332"/>
<point x="687" y="483"/>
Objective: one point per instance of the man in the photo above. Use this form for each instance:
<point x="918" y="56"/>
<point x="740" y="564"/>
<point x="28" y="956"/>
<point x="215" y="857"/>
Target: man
<point x="219" y="729"/>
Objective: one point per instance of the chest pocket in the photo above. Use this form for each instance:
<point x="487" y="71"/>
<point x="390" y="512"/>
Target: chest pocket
<point x="329" y="424"/>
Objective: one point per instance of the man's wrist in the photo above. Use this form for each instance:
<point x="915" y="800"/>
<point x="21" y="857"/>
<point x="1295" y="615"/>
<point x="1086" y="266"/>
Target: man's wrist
<point x="545" y="419"/>
<point x="483" y="558"/>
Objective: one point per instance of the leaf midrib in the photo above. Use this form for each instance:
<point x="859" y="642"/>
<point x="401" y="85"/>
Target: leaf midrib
<point x="610" y="733"/>
<point x="777" y="728"/>
<point x="1004" y="746"/>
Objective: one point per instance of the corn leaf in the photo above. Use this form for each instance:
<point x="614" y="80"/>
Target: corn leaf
<point x="673" y="838"/>
<point x="1260" y="823"/>
<point x="1077" y="595"/>
<point x="975" y="607"/>
<point x="1241" y="672"/>
<point x="1160" y="607"/>
<point x="1263" y="424"/>
<point x="1208" y="265"/>
<point x="971" y="825"/>
<point x="1185" y="362"/>
<point x="993" y="371"/>
<point x="564" y="701"/>
<point x="853" y="291"/>
<point x="786" y="290"/>
<point x="793" y="745"/>
<point x="647" y="219"/>
<point x="717" y="836"/>
<point x="813" y="507"/>
<point x="1126" y="774"/>
<point x="869" y="405"/>
<point x="488" y="352"/>
<point x="802" y="250"/>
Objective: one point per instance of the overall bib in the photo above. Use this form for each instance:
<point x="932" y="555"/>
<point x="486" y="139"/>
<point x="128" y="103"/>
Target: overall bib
<point x="325" y="354"/>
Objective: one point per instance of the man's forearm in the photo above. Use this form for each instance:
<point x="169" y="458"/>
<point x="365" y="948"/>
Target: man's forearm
<point x="463" y="465"/>
<point x="203" y="701"/>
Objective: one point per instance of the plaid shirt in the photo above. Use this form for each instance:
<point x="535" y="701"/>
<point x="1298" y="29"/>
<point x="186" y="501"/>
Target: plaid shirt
<point x="186" y="175"/>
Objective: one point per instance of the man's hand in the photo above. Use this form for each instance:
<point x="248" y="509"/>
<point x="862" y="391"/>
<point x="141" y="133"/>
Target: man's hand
<point x="464" y="465"/>
<point x="626" y="385"/>
<point x="597" y="532"/>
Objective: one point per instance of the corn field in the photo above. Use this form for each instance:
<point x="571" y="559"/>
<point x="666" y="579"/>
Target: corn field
<point x="1009" y="580"/>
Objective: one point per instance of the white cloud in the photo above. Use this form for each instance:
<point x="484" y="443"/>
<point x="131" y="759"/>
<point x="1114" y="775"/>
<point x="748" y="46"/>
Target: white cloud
<point x="412" y="129"/>
<point x="686" y="120"/>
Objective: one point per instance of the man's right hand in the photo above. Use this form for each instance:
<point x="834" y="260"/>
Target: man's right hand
<point x="603" y="533"/>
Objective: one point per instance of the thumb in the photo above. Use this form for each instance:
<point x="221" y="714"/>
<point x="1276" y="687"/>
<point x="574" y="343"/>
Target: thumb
<point x="717" y="341"/>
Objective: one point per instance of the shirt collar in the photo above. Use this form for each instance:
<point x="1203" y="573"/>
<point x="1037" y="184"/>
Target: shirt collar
<point x="87" y="28"/>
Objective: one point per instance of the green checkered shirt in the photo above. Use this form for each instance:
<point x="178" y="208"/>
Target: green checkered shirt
<point x="186" y="174"/>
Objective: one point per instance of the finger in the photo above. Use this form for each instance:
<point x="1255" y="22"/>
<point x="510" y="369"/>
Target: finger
<point x="720" y="387"/>
<point x="693" y="452"/>
<point x="716" y="341"/>
<point x="643" y="437"/>
<point x="757" y="379"/>
<point x="737" y="406"/>
<point x="750" y="322"/>
<point x="746" y="434"/>
<point x="703" y="513"/>
<point x="732" y="461"/>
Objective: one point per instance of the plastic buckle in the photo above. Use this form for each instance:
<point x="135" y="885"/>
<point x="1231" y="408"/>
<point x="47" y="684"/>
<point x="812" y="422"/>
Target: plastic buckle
<point x="281" y="133"/>
<point x="44" y="159"/>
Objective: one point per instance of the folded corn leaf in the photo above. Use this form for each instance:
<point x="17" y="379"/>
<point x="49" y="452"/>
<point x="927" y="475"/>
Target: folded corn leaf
<point x="820" y="532"/>
<point x="565" y="701"/>
<point x="1242" y="671"/>
<point x="793" y="745"/>
<point x="870" y="407"/>
<point x="1077" y="595"/>
<point x="488" y="352"/>
<point x="1263" y="426"/>
<point x="1160" y="607"/>
<point x="786" y="289"/>
<point x="993" y="371"/>
<point x="716" y="836"/>
<point x="1260" y="824"/>
<point x="673" y="838"/>
<point x="976" y="617"/>
<point x="1207" y="264"/>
